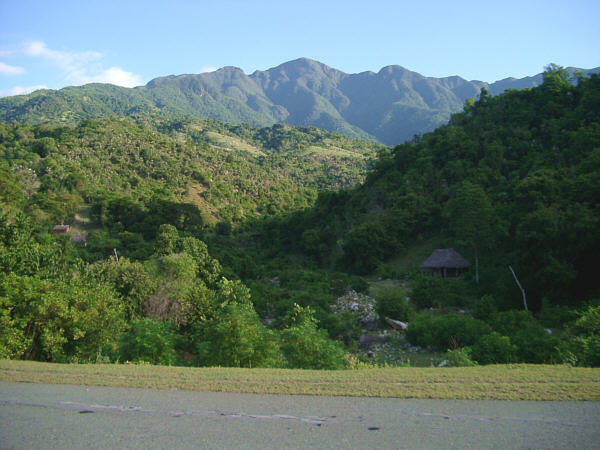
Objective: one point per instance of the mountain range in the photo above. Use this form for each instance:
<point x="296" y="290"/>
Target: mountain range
<point x="389" y="106"/>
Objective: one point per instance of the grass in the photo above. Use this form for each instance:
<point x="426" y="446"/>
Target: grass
<point x="232" y="143"/>
<point x="333" y="151"/>
<point x="501" y="382"/>
<point x="377" y="287"/>
<point x="415" y="254"/>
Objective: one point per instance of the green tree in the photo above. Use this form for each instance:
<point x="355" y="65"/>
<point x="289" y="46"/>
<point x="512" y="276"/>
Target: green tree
<point x="586" y="346"/>
<point x="307" y="347"/>
<point x="23" y="252"/>
<point x="236" y="337"/>
<point x="149" y="341"/>
<point x="10" y="188"/>
<point x="60" y="320"/>
<point x="130" y="280"/>
<point x="469" y="216"/>
<point x="366" y="245"/>
<point x="167" y="240"/>
<point x="209" y="268"/>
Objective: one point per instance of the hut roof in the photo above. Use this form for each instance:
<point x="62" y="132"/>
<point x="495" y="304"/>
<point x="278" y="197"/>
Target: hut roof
<point x="61" y="228"/>
<point x="445" y="257"/>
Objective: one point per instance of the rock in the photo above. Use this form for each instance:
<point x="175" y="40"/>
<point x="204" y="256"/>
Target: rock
<point x="398" y="325"/>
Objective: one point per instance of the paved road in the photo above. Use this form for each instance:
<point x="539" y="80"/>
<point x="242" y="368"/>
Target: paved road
<point x="64" y="416"/>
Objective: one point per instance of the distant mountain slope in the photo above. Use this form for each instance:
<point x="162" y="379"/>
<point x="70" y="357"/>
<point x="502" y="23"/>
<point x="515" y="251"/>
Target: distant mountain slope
<point x="390" y="106"/>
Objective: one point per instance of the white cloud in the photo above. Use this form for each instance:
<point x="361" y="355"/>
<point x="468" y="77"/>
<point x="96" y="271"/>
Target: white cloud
<point x="20" y="90"/>
<point x="61" y="58"/>
<point x="116" y="75"/>
<point x="82" y="67"/>
<point x="208" y="68"/>
<point x="6" y="69"/>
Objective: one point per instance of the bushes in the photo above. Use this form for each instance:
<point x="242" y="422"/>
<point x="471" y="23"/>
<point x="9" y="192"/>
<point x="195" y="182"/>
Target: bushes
<point x="517" y="338"/>
<point x="307" y="347"/>
<point x="56" y="320"/>
<point x="509" y="322"/>
<point x="556" y="316"/>
<point x="584" y="350"/>
<point x="460" y="357"/>
<point x="443" y="332"/>
<point x="236" y="337"/>
<point x="485" y="308"/>
<point x="392" y="303"/>
<point x="494" y="348"/>
<point x="437" y="292"/>
<point x="536" y="345"/>
<point x="149" y="341"/>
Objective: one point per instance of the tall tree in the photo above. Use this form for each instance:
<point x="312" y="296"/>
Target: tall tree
<point x="469" y="217"/>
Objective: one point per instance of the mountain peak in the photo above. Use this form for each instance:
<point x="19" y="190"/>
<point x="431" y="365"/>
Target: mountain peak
<point x="391" y="106"/>
<point x="302" y="66"/>
<point x="229" y="69"/>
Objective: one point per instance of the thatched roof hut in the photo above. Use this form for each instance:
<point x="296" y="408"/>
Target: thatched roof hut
<point x="61" y="229"/>
<point x="445" y="262"/>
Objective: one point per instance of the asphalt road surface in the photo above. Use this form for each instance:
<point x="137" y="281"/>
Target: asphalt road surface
<point x="65" y="416"/>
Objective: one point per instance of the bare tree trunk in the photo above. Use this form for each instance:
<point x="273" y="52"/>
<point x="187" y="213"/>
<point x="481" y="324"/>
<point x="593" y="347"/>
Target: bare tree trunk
<point x="476" y="266"/>
<point x="520" y="287"/>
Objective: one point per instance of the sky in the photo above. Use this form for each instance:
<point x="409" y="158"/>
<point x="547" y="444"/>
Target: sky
<point x="52" y="44"/>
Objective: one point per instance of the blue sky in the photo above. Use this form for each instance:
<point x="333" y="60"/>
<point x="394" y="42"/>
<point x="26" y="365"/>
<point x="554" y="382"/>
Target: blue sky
<point x="58" y="43"/>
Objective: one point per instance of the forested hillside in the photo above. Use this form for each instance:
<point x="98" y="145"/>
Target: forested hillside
<point x="228" y="172"/>
<point x="202" y="243"/>
<point x="511" y="180"/>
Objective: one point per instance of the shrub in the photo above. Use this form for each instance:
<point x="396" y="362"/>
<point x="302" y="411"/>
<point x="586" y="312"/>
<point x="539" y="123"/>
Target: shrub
<point x="584" y="350"/>
<point x="536" y="345"/>
<point x="591" y="351"/>
<point x="56" y="320"/>
<point x="367" y="245"/>
<point x="589" y="322"/>
<point x="494" y="348"/>
<point x="464" y="330"/>
<point x="392" y="303"/>
<point x="343" y="326"/>
<point x="485" y="308"/>
<point x="581" y="351"/>
<point x="436" y="292"/>
<point x="236" y="337"/>
<point x="420" y="330"/>
<point x="443" y="332"/>
<point x="149" y="341"/>
<point x="507" y="323"/>
<point x="307" y="347"/>
<point x="460" y="357"/>
<point x="556" y="316"/>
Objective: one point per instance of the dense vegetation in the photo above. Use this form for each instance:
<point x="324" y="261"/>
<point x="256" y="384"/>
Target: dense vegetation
<point x="249" y="247"/>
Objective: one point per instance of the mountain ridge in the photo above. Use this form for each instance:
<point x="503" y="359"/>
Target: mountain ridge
<point x="390" y="106"/>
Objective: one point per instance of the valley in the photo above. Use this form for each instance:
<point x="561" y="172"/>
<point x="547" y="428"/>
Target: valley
<point x="220" y="243"/>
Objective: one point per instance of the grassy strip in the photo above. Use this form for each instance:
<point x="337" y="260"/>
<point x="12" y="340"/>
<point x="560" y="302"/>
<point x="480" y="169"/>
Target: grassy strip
<point x="501" y="382"/>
